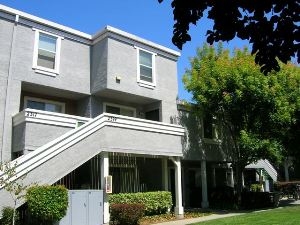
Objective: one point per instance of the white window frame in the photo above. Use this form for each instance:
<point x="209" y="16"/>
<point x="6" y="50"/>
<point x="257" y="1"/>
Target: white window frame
<point x="41" y="69"/>
<point x="138" y="77"/>
<point x="27" y="98"/>
<point x="119" y="106"/>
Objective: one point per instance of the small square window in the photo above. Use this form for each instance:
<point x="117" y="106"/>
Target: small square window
<point x="46" y="55"/>
<point x="146" y="68"/>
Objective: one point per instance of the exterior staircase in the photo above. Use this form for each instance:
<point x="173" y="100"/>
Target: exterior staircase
<point x="105" y="133"/>
<point x="266" y="165"/>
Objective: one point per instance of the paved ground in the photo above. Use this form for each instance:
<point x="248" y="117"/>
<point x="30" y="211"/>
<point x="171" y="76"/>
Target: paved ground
<point x="223" y="214"/>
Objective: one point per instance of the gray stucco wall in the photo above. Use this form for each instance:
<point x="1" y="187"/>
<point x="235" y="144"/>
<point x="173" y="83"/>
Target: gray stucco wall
<point x="6" y="31"/>
<point x="12" y="99"/>
<point x="37" y="135"/>
<point x="122" y="61"/>
<point x="99" y="66"/>
<point x="18" y="139"/>
<point x="29" y="136"/>
<point x="5" y="45"/>
<point x="74" y="73"/>
<point x="195" y="147"/>
<point x="74" y="63"/>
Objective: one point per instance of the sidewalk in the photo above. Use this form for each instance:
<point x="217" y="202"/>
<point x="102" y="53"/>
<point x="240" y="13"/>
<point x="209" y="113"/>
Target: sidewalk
<point x="199" y="219"/>
<point x="221" y="214"/>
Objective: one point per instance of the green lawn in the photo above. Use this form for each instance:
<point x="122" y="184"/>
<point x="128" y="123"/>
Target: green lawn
<point x="281" y="216"/>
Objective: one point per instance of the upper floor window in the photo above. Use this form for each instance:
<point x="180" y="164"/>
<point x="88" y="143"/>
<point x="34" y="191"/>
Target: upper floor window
<point x="210" y="130"/>
<point x="119" y="109"/>
<point x="146" y="68"/>
<point x="46" y="56"/>
<point x="43" y="104"/>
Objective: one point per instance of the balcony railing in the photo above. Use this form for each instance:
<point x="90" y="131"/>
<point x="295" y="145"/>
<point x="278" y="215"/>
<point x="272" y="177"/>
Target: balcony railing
<point x="50" y="118"/>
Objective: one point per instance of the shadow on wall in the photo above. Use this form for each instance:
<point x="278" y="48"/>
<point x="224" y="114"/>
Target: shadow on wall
<point x="195" y="146"/>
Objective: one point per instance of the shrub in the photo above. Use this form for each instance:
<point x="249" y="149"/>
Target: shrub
<point x="158" y="202"/>
<point x="47" y="204"/>
<point x="126" y="214"/>
<point x="256" y="187"/>
<point x="7" y="216"/>
<point x="222" y="197"/>
<point x="256" y="200"/>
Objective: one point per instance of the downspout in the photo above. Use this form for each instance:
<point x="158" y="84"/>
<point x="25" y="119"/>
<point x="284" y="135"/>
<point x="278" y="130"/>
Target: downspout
<point x="5" y="108"/>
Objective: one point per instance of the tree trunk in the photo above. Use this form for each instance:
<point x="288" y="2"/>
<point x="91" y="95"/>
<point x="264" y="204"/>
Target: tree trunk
<point x="14" y="214"/>
<point x="239" y="183"/>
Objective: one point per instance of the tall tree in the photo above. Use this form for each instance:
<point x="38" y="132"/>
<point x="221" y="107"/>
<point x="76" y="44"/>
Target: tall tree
<point x="272" y="26"/>
<point x="256" y="110"/>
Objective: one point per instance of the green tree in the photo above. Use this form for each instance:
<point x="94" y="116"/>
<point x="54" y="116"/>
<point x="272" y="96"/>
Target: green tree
<point x="272" y="26"/>
<point x="15" y="187"/>
<point x="257" y="111"/>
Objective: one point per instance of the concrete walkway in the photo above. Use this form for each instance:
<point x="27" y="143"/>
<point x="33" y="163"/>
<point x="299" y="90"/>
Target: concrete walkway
<point x="223" y="214"/>
<point x="199" y="219"/>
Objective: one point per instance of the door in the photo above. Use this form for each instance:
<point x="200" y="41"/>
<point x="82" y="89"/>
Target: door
<point x="95" y="209"/>
<point x="85" y="208"/>
<point x="79" y="207"/>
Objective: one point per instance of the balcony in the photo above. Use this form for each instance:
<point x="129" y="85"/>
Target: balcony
<point x="34" y="128"/>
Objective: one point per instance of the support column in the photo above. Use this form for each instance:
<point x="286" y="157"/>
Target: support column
<point x="165" y="183"/>
<point x="231" y="180"/>
<point x="231" y="177"/>
<point x="204" y="202"/>
<point x="179" y="211"/>
<point x="104" y="173"/>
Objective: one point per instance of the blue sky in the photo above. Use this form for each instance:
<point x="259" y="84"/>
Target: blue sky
<point x="145" y="18"/>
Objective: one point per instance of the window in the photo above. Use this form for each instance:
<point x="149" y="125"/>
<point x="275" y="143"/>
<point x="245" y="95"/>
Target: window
<point x="146" y="68"/>
<point x="46" y="55"/>
<point x="209" y="127"/>
<point x="119" y="110"/>
<point x="43" y="104"/>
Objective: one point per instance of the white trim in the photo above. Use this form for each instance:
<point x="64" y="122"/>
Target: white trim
<point x="50" y="118"/>
<point x="143" y="83"/>
<point x="45" y="70"/>
<point x="30" y="161"/>
<point x="62" y="104"/>
<point x="119" y="106"/>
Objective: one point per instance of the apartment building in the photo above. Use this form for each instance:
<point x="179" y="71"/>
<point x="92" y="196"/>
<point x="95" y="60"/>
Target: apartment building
<point x="76" y="108"/>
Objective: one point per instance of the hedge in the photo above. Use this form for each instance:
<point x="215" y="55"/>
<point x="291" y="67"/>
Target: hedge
<point x="126" y="214"/>
<point x="158" y="202"/>
<point x="257" y="200"/>
<point x="47" y="204"/>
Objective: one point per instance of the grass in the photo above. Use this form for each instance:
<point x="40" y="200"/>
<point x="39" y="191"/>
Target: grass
<point x="169" y="217"/>
<point x="282" y="216"/>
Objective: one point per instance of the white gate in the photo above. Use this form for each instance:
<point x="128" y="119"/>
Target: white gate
<point x="85" y="208"/>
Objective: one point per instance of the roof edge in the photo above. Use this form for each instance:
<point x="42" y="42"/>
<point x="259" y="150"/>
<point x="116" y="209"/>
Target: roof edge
<point x="107" y="29"/>
<point x="44" y="21"/>
<point x="125" y="34"/>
